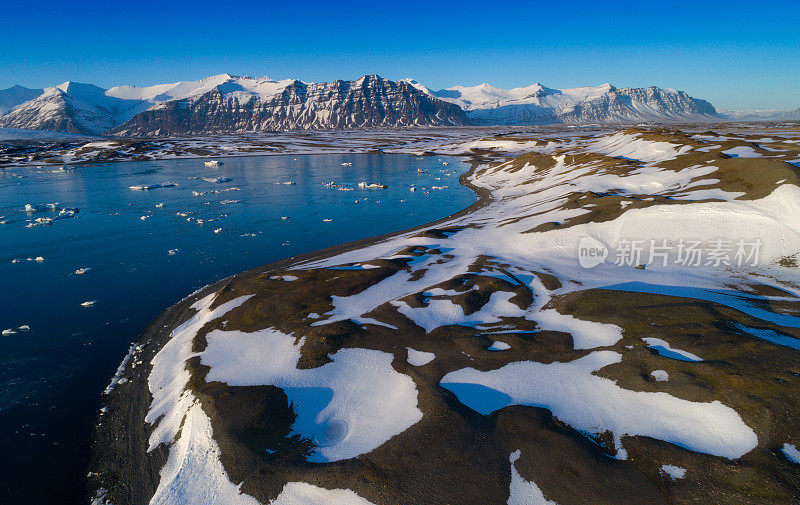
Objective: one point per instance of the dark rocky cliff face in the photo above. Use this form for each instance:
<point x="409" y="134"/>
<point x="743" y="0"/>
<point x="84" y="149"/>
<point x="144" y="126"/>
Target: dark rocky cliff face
<point x="366" y="103"/>
<point x="640" y="104"/>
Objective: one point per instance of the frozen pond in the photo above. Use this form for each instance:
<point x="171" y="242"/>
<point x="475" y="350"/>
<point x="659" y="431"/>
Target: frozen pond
<point x="145" y="250"/>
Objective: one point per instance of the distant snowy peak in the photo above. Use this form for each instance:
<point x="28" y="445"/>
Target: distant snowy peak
<point x="535" y="104"/>
<point x="256" y="105"/>
<point x="16" y="95"/>
<point x="763" y="115"/>
<point x="229" y="103"/>
<point x="226" y="83"/>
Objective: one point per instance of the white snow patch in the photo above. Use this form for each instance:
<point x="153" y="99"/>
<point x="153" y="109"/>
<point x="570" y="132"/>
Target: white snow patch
<point x="791" y="452"/>
<point x="521" y="491"/>
<point x="674" y="472"/>
<point x="300" y="493"/>
<point x="596" y="405"/>
<point x="419" y="358"/>
<point x="348" y="407"/>
<point x="663" y="348"/>
<point x="660" y="375"/>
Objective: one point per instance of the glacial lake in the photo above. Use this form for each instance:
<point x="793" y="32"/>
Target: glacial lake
<point x="52" y="375"/>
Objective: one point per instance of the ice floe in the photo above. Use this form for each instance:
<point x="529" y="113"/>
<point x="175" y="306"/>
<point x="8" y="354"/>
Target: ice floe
<point x="145" y="187"/>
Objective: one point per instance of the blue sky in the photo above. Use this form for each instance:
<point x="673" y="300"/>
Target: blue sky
<point x="738" y="55"/>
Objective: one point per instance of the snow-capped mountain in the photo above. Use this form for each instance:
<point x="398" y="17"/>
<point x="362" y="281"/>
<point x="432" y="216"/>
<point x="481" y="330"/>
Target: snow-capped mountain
<point x="72" y="107"/>
<point x="537" y="104"/>
<point x="16" y="95"/>
<point x="226" y="103"/>
<point x="256" y="105"/>
<point x="763" y="115"/>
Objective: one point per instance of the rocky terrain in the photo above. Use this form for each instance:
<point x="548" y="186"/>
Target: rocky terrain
<point x="615" y="321"/>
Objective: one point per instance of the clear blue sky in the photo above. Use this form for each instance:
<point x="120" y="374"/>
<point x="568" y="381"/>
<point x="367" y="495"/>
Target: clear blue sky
<point x="736" y="54"/>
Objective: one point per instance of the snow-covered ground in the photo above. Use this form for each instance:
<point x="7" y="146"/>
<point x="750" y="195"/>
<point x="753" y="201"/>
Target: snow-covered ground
<point x="619" y="189"/>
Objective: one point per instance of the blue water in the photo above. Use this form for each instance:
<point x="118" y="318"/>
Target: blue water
<point x="51" y="377"/>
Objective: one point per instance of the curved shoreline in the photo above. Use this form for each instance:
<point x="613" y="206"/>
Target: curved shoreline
<point x="118" y="453"/>
<point x="563" y="326"/>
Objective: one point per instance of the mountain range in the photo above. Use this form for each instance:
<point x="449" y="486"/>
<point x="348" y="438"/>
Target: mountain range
<point x="226" y="103"/>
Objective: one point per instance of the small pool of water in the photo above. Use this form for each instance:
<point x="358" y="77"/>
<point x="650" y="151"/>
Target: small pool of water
<point x="145" y="250"/>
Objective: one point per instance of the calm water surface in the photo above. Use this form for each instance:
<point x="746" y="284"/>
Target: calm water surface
<point x="51" y="376"/>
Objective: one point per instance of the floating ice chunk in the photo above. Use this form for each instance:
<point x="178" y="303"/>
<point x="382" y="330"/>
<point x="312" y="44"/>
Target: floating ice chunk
<point x="159" y="205"/>
<point x="373" y="185"/>
<point x="37" y="259"/>
<point x="212" y="163"/>
<point x="791" y="452"/>
<point x="300" y="493"/>
<point x="313" y="315"/>
<point x="217" y="179"/>
<point x="41" y="207"/>
<point x="419" y="358"/>
<point x="145" y="187"/>
<point x="663" y="348"/>
<point x="327" y="220"/>
<point x="88" y="303"/>
<point x="674" y="472"/>
<point x="660" y="375"/>
<point x="521" y="491"/>
<point x="218" y="230"/>
<point x="594" y="404"/>
<point x="9" y="331"/>
<point x="24" y="327"/>
<point x="173" y="252"/>
<point x="15" y="260"/>
<point x="499" y="346"/>
<point x="144" y="218"/>
<point x="82" y="271"/>
<point x="346" y="164"/>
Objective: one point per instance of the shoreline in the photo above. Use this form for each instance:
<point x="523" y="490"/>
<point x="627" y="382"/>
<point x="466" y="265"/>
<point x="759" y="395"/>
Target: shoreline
<point x="130" y="439"/>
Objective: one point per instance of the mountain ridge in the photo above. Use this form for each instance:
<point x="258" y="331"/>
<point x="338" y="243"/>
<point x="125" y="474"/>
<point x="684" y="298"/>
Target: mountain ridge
<point x="230" y="103"/>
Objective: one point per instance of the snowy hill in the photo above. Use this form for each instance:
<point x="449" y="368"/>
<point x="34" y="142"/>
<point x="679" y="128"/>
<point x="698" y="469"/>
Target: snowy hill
<point x="537" y="104"/>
